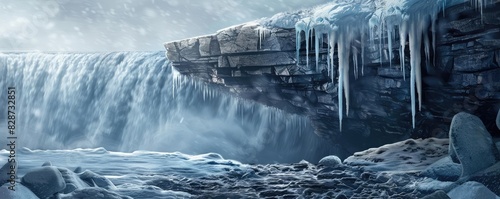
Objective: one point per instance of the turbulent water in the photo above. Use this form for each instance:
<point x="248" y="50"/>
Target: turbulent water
<point x="126" y="101"/>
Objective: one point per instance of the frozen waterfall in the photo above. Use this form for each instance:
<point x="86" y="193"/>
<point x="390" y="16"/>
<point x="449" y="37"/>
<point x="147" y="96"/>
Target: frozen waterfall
<point x="128" y="101"/>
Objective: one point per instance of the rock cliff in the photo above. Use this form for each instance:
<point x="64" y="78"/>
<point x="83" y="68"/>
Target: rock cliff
<point x="259" y="63"/>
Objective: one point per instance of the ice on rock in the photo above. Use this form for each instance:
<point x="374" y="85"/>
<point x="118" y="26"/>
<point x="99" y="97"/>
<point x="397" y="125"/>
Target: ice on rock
<point x="44" y="182"/>
<point x="471" y="144"/>
<point x="412" y="18"/>
<point x="440" y="194"/>
<point x="330" y="161"/>
<point x="45" y="164"/>
<point x="470" y="190"/>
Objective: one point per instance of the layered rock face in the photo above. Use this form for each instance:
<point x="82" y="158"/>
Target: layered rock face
<point x="260" y="64"/>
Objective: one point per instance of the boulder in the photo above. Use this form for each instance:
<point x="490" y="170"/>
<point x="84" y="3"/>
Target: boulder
<point x="72" y="180"/>
<point x="471" y="144"/>
<point x="330" y="161"/>
<point x="4" y="172"/>
<point x="44" y="182"/>
<point x="444" y="170"/>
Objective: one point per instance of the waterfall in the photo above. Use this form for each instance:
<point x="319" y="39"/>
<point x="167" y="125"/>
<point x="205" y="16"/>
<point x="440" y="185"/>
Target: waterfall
<point x="127" y="101"/>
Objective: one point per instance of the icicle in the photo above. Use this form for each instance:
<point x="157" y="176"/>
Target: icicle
<point x="328" y="54"/>
<point x="308" y="35"/>
<point x="332" y="42"/>
<point x="380" y="47"/>
<point x="415" y="37"/>
<point x="433" y="29"/>
<point x="389" y="40"/>
<point x="297" y="45"/>
<point x="355" y="62"/>
<point x="316" y="47"/>
<point x="344" y="45"/>
<point x="403" y="31"/>
<point x="362" y="32"/>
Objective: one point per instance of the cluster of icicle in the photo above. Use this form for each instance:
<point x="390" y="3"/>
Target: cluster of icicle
<point x="347" y="22"/>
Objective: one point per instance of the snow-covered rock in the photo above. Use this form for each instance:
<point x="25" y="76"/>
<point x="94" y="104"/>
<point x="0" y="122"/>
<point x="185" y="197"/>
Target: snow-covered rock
<point x="92" y="179"/>
<point x="72" y="181"/>
<point x="471" y="144"/>
<point x="470" y="190"/>
<point x="93" y="192"/>
<point x="330" y="161"/>
<point x="21" y="192"/>
<point x="444" y="169"/>
<point x="400" y="156"/>
<point x="44" y="182"/>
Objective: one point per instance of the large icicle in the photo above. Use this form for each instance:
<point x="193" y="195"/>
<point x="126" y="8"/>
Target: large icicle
<point x="415" y="37"/>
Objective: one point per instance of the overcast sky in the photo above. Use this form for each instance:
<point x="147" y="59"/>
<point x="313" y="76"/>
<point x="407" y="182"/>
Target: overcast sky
<point x="124" y="25"/>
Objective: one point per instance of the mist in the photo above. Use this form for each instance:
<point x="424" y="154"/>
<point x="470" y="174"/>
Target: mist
<point x="118" y="25"/>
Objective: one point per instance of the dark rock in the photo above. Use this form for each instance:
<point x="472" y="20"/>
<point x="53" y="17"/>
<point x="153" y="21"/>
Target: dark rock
<point x="474" y="62"/>
<point x="48" y="163"/>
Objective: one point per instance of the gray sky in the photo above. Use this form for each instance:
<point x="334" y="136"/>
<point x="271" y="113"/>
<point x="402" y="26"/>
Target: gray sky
<point x="124" y="25"/>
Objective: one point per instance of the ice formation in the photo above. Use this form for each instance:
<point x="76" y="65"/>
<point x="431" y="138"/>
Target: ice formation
<point x="345" y="22"/>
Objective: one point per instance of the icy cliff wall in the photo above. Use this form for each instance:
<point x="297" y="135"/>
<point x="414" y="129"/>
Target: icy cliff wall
<point x="259" y="62"/>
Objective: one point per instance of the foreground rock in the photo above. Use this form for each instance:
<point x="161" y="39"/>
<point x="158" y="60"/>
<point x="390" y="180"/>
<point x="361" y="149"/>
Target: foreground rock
<point x="330" y="161"/>
<point x="21" y="193"/>
<point x="472" y="190"/>
<point x="44" y="182"/>
<point x="471" y="144"/>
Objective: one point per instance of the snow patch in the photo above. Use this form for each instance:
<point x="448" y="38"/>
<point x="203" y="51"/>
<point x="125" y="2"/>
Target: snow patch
<point x="401" y="156"/>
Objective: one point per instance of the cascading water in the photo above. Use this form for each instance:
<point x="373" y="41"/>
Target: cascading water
<point x="130" y="101"/>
